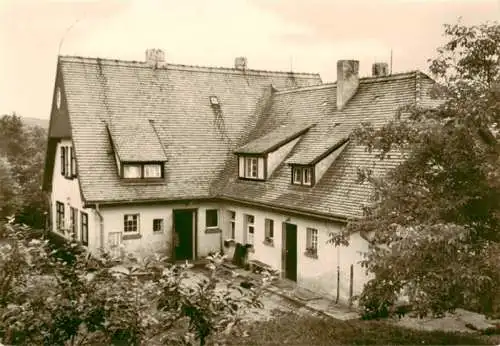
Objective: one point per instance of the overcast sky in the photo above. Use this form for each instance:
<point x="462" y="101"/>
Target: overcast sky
<point x="302" y="35"/>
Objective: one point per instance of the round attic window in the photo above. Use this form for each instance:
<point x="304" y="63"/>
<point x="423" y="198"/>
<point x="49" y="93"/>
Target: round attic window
<point x="58" y="97"/>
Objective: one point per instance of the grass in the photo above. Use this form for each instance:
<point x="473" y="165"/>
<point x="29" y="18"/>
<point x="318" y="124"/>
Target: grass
<point x="293" y="329"/>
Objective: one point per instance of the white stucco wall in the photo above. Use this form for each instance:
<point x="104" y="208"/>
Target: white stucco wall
<point x="67" y="191"/>
<point x="274" y="158"/>
<point x="151" y="242"/>
<point x="319" y="274"/>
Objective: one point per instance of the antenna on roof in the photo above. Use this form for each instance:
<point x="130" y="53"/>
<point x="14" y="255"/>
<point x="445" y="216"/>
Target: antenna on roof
<point x="61" y="41"/>
<point x="391" y="63"/>
<point x="291" y="63"/>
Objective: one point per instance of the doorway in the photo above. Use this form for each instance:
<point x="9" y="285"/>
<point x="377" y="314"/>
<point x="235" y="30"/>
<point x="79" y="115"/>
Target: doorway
<point x="184" y="234"/>
<point x="290" y="249"/>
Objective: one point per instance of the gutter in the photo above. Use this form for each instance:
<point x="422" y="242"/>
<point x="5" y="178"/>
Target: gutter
<point x="101" y="227"/>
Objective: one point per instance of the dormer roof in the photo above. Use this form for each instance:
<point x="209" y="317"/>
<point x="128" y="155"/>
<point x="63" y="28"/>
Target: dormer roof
<point x="135" y="140"/>
<point x="275" y="138"/>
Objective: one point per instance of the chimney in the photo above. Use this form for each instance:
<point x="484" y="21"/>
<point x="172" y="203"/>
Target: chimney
<point x="240" y="63"/>
<point x="347" y="81"/>
<point x="155" y="57"/>
<point x="380" y="69"/>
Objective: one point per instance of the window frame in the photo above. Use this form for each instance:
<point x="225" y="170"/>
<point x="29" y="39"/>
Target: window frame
<point x="232" y="223"/>
<point x="162" y="225"/>
<point x="249" y="165"/>
<point x="299" y="174"/>
<point x="268" y="231"/>
<point x="250" y="225"/>
<point x="60" y="210"/>
<point x="73" y="216"/>
<point x="312" y="237"/>
<point x="84" y="228"/>
<point x="137" y="224"/>
<point x="206" y="218"/>
<point x="142" y="165"/>
<point x="73" y="163"/>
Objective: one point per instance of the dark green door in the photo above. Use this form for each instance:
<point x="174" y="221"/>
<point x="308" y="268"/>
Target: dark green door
<point x="183" y="234"/>
<point x="291" y="251"/>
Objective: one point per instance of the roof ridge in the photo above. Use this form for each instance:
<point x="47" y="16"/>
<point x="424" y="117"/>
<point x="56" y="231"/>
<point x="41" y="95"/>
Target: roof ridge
<point x="220" y="69"/>
<point x="367" y="79"/>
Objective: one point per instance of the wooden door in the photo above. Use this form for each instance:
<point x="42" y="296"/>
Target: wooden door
<point x="115" y="242"/>
<point x="183" y="234"/>
<point x="290" y="251"/>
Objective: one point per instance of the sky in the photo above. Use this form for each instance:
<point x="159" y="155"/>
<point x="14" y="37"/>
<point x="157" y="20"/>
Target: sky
<point x="284" y="35"/>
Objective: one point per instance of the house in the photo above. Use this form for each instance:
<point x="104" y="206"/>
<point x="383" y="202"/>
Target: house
<point x="149" y="156"/>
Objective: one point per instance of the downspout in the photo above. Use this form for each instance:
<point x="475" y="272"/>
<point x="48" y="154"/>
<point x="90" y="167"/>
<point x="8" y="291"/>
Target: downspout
<point x="101" y="228"/>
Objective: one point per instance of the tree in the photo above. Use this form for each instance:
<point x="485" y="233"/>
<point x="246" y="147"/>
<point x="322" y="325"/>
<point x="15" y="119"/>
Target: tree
<point x="435" y="218"/>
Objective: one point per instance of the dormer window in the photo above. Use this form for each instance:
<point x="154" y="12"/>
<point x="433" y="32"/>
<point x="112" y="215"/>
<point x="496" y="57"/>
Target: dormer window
<point x="251" y="167"/>
<point x="302" y="175"/>
<point x="134" y="170"/>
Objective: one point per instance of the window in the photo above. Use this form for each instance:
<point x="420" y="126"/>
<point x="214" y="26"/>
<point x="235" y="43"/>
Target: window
<point x="157" y="225"/>
<point x="132" y="171"/>
<point x="306" y="176"/>
<point x="297" y="176"/>
<point x="152" y="171"/>
<point x="73" y="216"/>
<point x="251" y="167"/>
<point x="73" y="163"/>
<point x="250" y="229"/>
<point x="312" y="242"/>
<point x="68" y="162"/>
<point x="302" y="175"/>
<point x="84" y="228"/>
<point x="142" y="170"/>
<point x="212" y="218"/>
<point x="232" y="224"/>
<point x="131" y="223"/>
<point x="269" y="231"/>
<point x="63" y="161"/>
<point x="60" y="216"/>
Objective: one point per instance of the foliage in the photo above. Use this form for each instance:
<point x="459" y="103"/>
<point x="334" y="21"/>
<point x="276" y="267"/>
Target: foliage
<point x="51" y="296"/>
<point x="296" y="329"/>
<point x="22" y="155"/>
<point x="435" y="218"/>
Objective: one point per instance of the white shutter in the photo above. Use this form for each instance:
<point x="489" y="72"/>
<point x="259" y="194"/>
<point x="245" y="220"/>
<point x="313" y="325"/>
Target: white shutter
<point x="260" y="172"/>
<point x="241" y="162"/>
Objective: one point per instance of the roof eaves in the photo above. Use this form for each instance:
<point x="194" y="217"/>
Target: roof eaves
<point x="329" y="151"/>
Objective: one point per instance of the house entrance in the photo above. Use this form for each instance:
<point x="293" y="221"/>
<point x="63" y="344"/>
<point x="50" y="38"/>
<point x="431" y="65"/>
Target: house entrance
<point x="184" y="234"/>
<point x="290" y="249"/>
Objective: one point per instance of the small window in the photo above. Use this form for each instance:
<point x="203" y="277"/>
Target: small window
<point x="73" y="163"/>
<point x="251" y="167"/>
<point x="269" y="231"/>
<point x="306" y="176"/>
<point x="232" y="224"/>
<point x="152" y="171"/>
<point x="157" y="225"/>
<point x="60" y="216"/>
<point x="312" y="242"/>
<point x="131" y="223"/>
<point x="212" y="218"/>
<point x="84" y="229"/>
<point x="74" y="222"/>
<point x="250" y="229"/>
<point x="63" y="161"/>
<point x="297" y="176"/>
<point x="132" y="171"/>
<point x="302" y="175"/>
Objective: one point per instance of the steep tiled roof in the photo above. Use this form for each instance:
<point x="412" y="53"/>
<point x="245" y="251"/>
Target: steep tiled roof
<point x="274" y="139"/>
<point x="135" y="139"/>
<point x="197" y="140"/>
<point x="337" y="193"/>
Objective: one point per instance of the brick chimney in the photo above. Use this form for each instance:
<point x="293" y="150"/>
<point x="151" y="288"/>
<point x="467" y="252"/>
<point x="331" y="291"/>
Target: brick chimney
<point x="347" y="81"/>
<point x="155" y="57"/>
<point x="380" y="69"/>
<point x="240" y="63"/>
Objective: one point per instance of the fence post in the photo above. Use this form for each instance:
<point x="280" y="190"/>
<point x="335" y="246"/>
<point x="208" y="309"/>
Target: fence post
<point x="338" y="285"/>
<point x="351" y="283"/>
